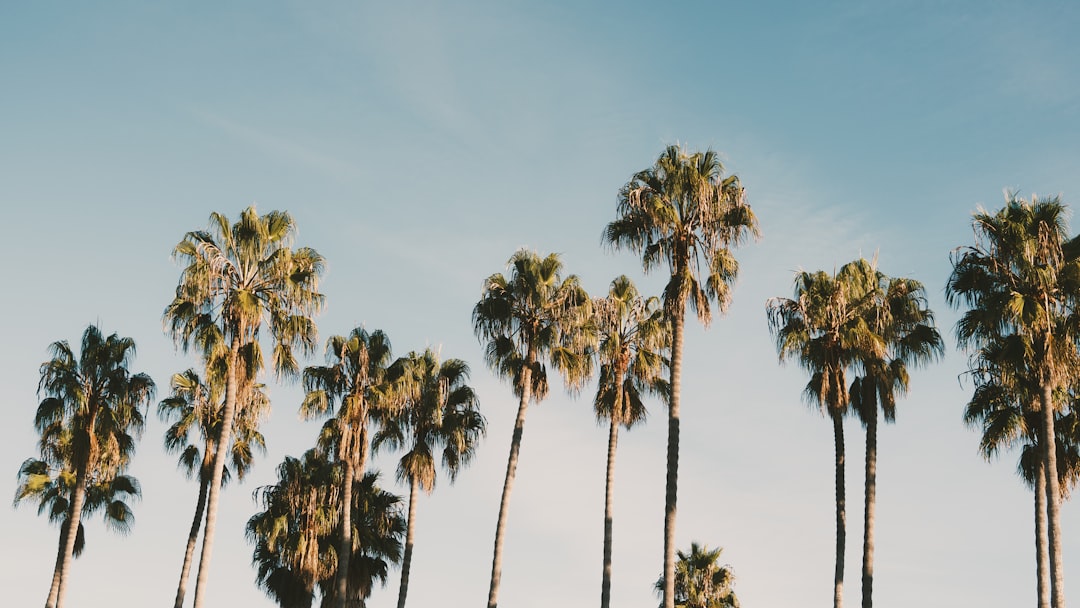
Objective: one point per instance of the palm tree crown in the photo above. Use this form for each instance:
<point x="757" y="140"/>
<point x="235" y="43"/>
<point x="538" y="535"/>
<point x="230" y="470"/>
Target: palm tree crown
<point x="700" y="581"/>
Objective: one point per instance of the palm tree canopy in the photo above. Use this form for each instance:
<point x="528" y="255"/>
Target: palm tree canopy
<point x="238" y="277"/>
<point x="684" y="212"/>
<point x="535" y="312"/>
<point x="828" y="328"/>
<point x="439" y="413"/>
<point x="700" y="581"/>
<point x="1020" y="278"/>
<point x="634" y="335"/>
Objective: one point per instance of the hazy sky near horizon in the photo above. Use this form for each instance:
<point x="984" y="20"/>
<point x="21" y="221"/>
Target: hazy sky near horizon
<point x="419" y="144"/>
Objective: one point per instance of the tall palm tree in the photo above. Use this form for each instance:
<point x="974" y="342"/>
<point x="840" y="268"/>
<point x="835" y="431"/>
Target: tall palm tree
<point x="532" y="316"/>
<point x="827" y="327"/>
<point x="354" y="381"/>
<point x="98" y="401"/>
<point x="633" y="336"/>
<point x="195" y="408"/>
<point x="906" y="325"/>
<point x="1020" y="281"/>
<point x="295" y="535"/>
<point x="438" y="414"/>
<point x="240" y="280"/>
<point x="701" y="582"/>
<point x="50" y="482"/>
<point x="684" y="212"/>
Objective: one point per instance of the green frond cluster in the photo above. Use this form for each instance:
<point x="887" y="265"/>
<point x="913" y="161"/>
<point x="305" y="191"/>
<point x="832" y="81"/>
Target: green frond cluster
<point x="700" y="580"/>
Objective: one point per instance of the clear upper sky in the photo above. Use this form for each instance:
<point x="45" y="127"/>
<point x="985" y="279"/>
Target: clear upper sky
<point x="418" y="144"/>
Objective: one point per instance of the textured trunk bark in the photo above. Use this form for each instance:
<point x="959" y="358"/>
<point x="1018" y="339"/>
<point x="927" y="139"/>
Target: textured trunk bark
<point x="671" y="488"/>
<point x="193" y="537"/>
<point x="345" y="538"/>
<point x="869" y="507"/>
<point x="74" y="514"/>
<point x="406" y="560"/>
<point x="613" y="442"/>
<point x="55" y="587"/>
<point x="214" y="491"/>
<point x="1041" y="554"/>
<point x="1053" y="498"/>
<point x="508" y="483"/>
<point x="841" y="513"/>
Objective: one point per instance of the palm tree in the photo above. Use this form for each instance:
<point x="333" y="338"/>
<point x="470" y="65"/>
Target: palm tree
<point x="239" y="278"/>
<point x="97" y="400"/>
<point x="50" y="481"/>
<point x="295" y="534"/>
<point x="700" y="582"/>
<point x="906" y="326"/>
<point x="530" y="317"/>
<point x="1020" y="281"/>
<point x="439" y="413"/>
<point x="633" y="335"/>
<point x="684" y="212"/>
<point x="195" y="406"/>
<point x="828" y="328"/>
<point x="353" y="381"/>
<point x="1003" y="406"/>
<point x="298" y="511"/>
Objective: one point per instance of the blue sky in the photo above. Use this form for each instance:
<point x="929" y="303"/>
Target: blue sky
<point x="418" y="144"/>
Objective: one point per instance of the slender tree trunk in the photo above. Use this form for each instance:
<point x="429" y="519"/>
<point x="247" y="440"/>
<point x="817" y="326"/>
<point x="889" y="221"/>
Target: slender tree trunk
<point x="869" y="508"/>
<point x="1053" y="498"/>
<point x="227" y="414"/>
<point x="613" y="442"/>
<point x="55" y="587"/>
<point x="841" y="505"/>
<point x="511" y="471"/>
<point x="671" y="487"/>
<point x="345" y="538"/>
<point x="406" y="560"/>
<point x="1041" y="555"/>
<point x="193" y="536"/>
<point x="78" y="496"/>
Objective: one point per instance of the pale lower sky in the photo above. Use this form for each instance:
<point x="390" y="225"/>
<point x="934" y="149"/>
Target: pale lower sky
<point x="418" y="144"/>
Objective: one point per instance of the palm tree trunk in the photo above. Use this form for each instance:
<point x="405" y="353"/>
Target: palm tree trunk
<point x="345" y="539"/>
<point x="841" y="516"/>
<point x="671" y="487"/>
<point x="869" y="507"/>
<point x="406" y="560"/>
<point x="74" y="514"/>
<point x="613" y="441"/>
<point x="1041" y="555"/>
<point x="1053" y="498"/>
<point x="55" y="587"/>
<point x="219" y="468"/>
<point x="511" y="471"/>
<point x="193" y="536"/>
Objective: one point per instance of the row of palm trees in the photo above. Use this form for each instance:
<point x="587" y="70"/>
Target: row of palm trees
<point x="243" y="286"/>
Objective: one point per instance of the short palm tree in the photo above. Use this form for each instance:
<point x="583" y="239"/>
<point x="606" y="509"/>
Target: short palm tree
<point x="1020" y="282"/>
<point x="633" y="337"/>
<point x="295" y="535"/>
<point x="906" y="326"/>
<point x="195" y="409"/>
<point x="701" y="582"/>
<point x="438" y="415"/>
<point x="524" y="319"/>
<point x="827" y="327"/>
<point x="683" y="212"/>
<point x="50" y="482"/>
<point x="240" y="281"/>
<point x="98" y="401"/>
<point x="354" y="382"/>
